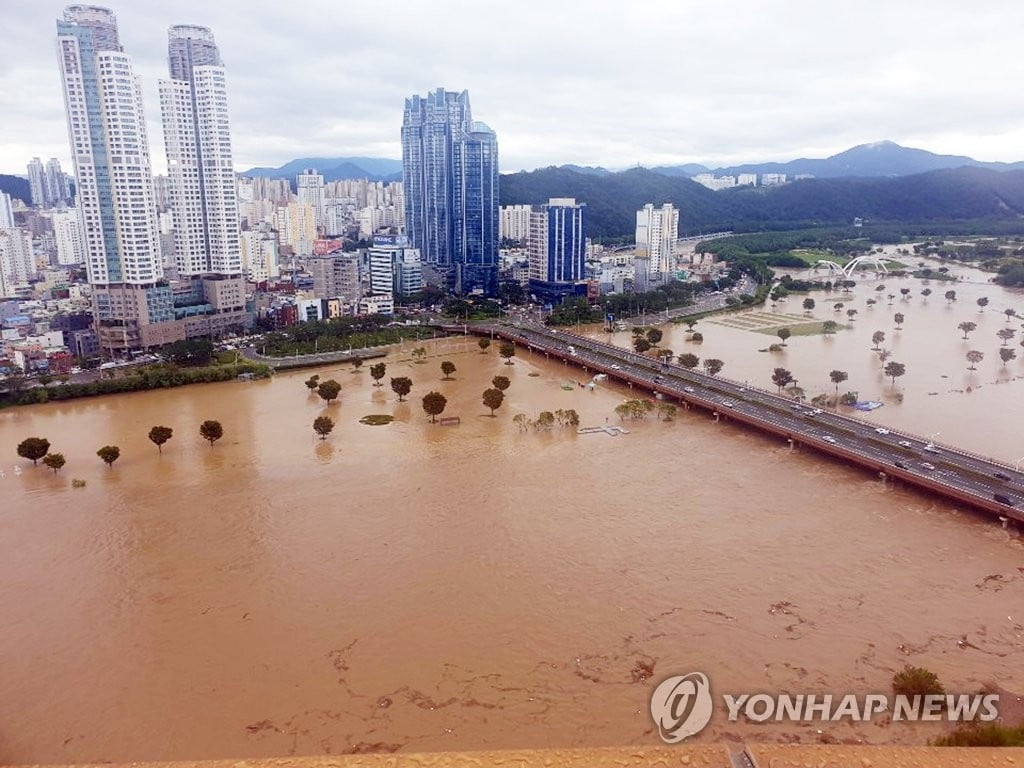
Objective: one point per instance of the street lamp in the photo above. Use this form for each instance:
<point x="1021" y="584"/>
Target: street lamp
<point x="1018" y="463"/>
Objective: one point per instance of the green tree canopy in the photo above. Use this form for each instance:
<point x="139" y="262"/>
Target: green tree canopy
<point x="507" y="350"/>
<point x="493" y="398"/>
<point x="109" y="454"/>
<point x="377" y="371"/>
<point x="894" y="370"/>
<point x="781" y="377"/>
<point x="323" y="425"/>
<point x="160" y="435"/>
<point x="713" y="367"/>
<point x="434" y="404"/>
<point x="33" y="448"/>
<point x="211" y="431"/>
<point x="401" y="386"/>
<point x="329" y="390"/>
<point x="689" y="360"/>
<point x="54" y="461"/>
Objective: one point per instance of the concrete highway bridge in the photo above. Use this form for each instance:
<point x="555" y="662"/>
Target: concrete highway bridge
<point x="947" y="471"/>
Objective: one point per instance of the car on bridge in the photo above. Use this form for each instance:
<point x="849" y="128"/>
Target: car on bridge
<point x="926" y="465"/>
<point x="882" y="430"/>
<point x="906" y="443"/>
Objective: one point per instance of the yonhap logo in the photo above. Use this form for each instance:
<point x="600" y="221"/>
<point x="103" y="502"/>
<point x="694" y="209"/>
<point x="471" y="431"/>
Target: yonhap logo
<point x="681" y="706"/>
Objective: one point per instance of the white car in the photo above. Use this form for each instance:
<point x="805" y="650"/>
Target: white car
<point x="926" y="465"/>
<point x="882" y="430"/>
<point x="728" y="403"/>
<point x="829" y="439"/>
<point x="691" y="390"/>
<point x="931" y="448"/>
<point x="906" y="444"/>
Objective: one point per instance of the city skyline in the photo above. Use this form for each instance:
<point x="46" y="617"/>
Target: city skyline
<point x="664" y="86"/>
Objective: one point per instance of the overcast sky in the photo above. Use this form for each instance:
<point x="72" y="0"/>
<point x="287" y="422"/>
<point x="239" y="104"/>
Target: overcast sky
<point x="593" y="83"/>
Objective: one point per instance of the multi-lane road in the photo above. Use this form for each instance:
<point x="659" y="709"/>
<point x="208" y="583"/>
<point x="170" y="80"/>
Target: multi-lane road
<point x="946" y="470"/>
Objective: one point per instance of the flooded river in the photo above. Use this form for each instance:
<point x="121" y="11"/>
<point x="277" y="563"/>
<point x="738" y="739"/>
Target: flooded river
<point x="419" y="587"/>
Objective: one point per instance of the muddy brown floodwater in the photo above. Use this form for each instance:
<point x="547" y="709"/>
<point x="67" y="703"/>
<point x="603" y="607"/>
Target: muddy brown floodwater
<point x="419" y="587"/>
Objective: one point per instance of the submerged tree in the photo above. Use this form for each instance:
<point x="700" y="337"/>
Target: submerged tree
<point x="838" y="377"/>
<point x="329" y="390"/>
<point x="689" y="360"/>
<point x="211" y="430"/>
<point x="712" y="366"/>
<point x="377" y="371"/>
<point x="160" y="435"/>
<point x="33" y="448"/>
<point x="54" y="461"/>
<point x="894" y="370"/>
<point x="323" y="425"/>
<point x="781" y="378"/>
<point x="507" y="350"/>
<point x="109" y="454"/>
<point x="401" y="386"/>
<point x="434" y="404"/>
<point x="493" y="398"/>
<point x="974" y="357"/>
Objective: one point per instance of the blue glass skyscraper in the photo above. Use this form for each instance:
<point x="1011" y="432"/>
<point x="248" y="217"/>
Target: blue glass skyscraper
<point x="450" y="174"/>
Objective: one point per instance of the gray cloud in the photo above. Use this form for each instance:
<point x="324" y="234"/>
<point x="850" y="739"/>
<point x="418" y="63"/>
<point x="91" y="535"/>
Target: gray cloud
<point x="603" y="83"/>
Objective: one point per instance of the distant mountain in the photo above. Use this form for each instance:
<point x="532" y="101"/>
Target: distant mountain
<point x="938" y="196"/>
<point x="335" y="168"/>
<point x="16" y="186"/>
<point x="591" y="169"/>
<point x="881" y="158"/>
<point x="690" y="169"/>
